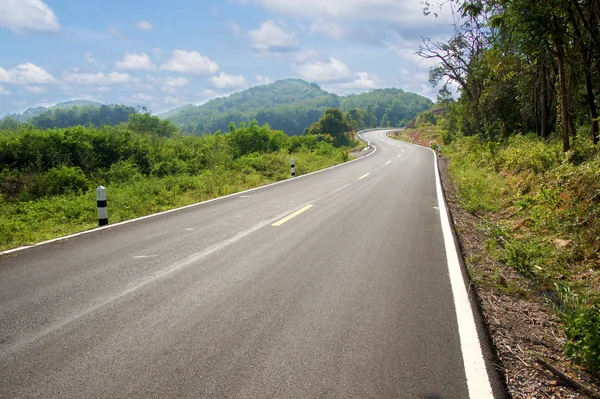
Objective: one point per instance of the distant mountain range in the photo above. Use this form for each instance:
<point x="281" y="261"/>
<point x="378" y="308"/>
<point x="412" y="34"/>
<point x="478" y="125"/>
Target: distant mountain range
<point x="291" y="105"/>
<point x="32" y="112"/>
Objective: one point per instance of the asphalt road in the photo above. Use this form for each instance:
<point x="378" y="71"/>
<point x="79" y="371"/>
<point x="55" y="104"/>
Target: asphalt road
<point x="348" y="298"/>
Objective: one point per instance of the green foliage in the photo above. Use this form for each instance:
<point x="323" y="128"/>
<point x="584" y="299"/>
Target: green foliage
<point x="84" y="115"/>
<point x="526" y="255"/>
<point x="46" y="175"/>
<point x="33" y="112"/>
<point x="293" y="105"/>
<point x="65" y="179"/>
<point x="582" y="326"/>
<point x="334" y="123"/>
<point x="153" y="125"/>
<point x="123" y="172"/>
<point x="553" y="232"/>
<point x="528" y="154"/>
<point x="472" y="167"/>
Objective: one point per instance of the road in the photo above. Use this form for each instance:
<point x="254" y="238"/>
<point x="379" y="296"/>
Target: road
<point x="332" y="285"/>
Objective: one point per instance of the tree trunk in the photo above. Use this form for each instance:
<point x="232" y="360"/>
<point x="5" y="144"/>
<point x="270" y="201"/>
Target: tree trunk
<point x="591" y="101"/>
<point x="544" y="104"/>
<point x="570" y="96"/>
<point x="564" y="101"/>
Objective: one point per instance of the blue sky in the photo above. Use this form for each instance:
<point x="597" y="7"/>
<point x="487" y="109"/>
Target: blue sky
<point x="164" y="54"/>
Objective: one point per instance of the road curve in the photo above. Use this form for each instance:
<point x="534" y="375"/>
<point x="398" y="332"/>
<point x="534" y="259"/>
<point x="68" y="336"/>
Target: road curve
<point x="333" y="285"/>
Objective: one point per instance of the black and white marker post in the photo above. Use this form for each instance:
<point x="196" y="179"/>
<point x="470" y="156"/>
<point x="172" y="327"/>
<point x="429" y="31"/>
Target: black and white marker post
<point x="293" y="166"/>
<point x="102" y="210"/>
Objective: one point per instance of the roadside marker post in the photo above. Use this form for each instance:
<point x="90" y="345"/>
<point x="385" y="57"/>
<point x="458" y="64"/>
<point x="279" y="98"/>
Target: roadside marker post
<point x="102" y="209"/>
<point x="293" y="166"/>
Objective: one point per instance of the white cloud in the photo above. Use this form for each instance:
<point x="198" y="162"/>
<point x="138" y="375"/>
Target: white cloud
<point x="317" y="71"/>
<point x="169" y="81"/>
<point x="363" y="81"/>
<point x="26" y="73"/>
<point x="90" y="59"/>
<point x="408" y="12"/>
<point x="144" y="25"/>
<point x="273" y="37"/>
<point x="144" y="98"/>
<point x="21" y="16"/>
<point x="3" y="91"/>
<point x="261" y="80"/>
<point x="175" y="82"/>
<point x="225" y="81"/>
<point x="99" y="79"/>
<point x="169" y="90"/>
<point x="136" y="61"/>
<point x="207" y="93"/>
<point x="329" y="28"/>
<point x="156" y="52"/>
<point x="172" y="100"/>
<point x="192" y="62"/>
<point x="36" y="89"/>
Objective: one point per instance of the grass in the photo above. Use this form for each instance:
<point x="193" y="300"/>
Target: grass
<point x="24" y="223"/>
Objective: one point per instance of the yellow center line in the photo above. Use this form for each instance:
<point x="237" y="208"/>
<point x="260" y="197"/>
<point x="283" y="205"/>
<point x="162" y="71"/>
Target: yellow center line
<point x="363" y="176"/>
<point x="291" y="216"/>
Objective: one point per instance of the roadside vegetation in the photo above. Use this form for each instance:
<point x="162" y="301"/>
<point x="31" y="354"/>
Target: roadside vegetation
<point x="48" y="177"/>
<point x="522" y="145"/>
<point x="538" y="211"/>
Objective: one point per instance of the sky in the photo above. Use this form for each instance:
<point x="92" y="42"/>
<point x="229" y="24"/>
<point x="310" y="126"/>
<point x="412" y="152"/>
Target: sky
<point x="165" y="54"/>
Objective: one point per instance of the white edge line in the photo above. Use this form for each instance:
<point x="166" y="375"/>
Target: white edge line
<point x="478" y="381"/>
<point x="81" y="233"/>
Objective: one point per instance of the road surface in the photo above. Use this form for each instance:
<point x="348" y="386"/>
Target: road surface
<point x="332" y="285"/>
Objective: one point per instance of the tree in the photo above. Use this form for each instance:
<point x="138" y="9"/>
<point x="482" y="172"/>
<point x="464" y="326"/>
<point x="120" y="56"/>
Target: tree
<point x="333" y="122"/>
<point x="152" y="125"/>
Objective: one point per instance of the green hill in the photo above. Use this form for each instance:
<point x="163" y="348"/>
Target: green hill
<point x="292" y="105"/>
<point x="32" y="112"/>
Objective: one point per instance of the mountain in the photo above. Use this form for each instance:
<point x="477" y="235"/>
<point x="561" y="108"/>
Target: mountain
<point x="292" y="105"/>
<point x="32" y="112"/>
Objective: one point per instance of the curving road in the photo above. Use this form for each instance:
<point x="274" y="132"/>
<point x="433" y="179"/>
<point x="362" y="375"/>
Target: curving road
<point x="332" y="285"/>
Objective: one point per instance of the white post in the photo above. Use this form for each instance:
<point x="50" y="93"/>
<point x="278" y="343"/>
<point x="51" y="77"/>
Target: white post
<point x="102" y="209"/>
<point x="293" y="166"/>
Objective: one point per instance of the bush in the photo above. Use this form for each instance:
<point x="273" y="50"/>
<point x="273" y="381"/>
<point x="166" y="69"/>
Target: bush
<point x="582" y="327"/>
<point x="65" y="179"/>
<point x="525" y="255"/>
<point x="528" y="154"/>
<point x="123" y="172"/>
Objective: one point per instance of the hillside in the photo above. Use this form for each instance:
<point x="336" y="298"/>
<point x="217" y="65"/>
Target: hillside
<point x="32" y="112"/>
<point x="292" y="105"/>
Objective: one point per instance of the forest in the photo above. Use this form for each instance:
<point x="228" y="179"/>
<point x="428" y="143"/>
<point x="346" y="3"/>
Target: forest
<point x="521" y="66"/>
<point x="293" y="105"/>
<point x="63" y="116"/>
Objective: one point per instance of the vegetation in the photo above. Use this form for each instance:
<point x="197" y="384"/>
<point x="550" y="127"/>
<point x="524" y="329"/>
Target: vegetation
<point x="32" y="112"/>
<point x="524" y="144"/>
<point x="76" y="116"/>
<point x="48" y="177"/>
<point x="293" y="105"/>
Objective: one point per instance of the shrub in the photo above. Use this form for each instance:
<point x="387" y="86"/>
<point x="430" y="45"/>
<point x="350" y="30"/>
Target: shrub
<point x="65" y="179"/>
<point x="525" y="254"/>
<point x="582" y="327"/>
<point x="123" y="172"/>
